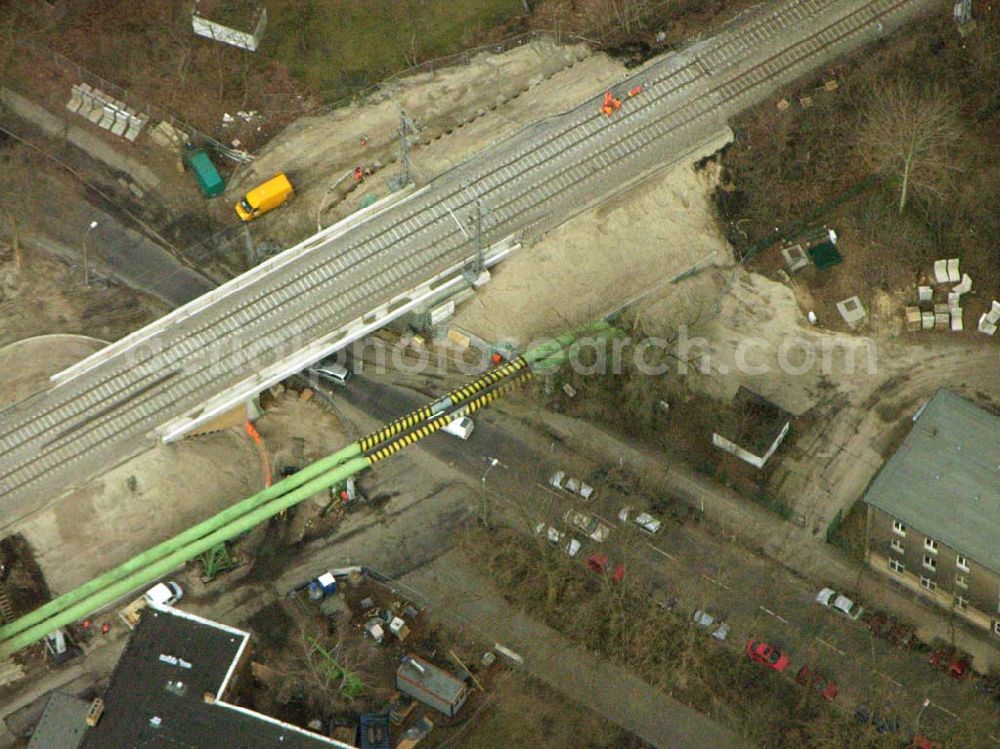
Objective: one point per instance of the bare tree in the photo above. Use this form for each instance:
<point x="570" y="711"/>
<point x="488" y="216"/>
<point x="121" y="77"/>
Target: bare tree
<point x="616" y="20"/>
<point x="911" y="132"/>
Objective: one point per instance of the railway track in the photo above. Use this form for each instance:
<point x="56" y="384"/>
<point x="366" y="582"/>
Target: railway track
<point x="527" y="183"/>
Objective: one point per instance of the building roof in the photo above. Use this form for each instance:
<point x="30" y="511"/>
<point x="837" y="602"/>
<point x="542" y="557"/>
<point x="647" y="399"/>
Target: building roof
<point x="156" y="698"/>
<point x="944" y="480"/>
<point x="431" y="679"/>
<point x="753" y="422"/>
<point x="62" y="723"/>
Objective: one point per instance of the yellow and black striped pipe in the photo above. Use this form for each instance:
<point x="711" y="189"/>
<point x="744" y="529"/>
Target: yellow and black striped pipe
<point x="456" y="396"/>
<point x="401" y="424"/>
<point x="465" y="392"/>
<point x="438" y="422"/>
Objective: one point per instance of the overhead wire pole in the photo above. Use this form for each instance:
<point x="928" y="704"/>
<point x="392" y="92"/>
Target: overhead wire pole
<point x="406" y="126"/>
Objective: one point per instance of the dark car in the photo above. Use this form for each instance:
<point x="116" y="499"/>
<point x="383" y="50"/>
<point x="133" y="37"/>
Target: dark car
<point x="810" y="677"/>
<point x="879" y="721"/>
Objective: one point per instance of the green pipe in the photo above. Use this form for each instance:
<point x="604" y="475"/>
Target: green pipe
<point x="156" y="570"/>
<point x="181" y="539"/>
<point x="560" y="342"/>
<point x="550" y="353"/>
<point x="560" y="356"/>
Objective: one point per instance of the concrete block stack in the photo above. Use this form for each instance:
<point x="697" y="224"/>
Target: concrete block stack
<point x="106" y="112"/>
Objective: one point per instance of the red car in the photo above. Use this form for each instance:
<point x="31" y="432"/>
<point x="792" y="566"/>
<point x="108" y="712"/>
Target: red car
<point x="601" y="564"/>
<point x="955" y="666"/>
<point x="808" y="677"/>
<point x="766" y="654"/>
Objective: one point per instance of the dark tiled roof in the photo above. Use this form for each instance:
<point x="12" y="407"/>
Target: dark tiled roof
<point x="156" y="698"/>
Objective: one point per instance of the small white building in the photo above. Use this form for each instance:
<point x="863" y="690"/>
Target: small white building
<point x="240" y="23"/>
<point x="752" y="429"/>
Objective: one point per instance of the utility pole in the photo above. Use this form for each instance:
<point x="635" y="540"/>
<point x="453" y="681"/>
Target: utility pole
<point x="86" y="267"/>
<point x="480" y="262"/>
<point x="406" y="128"/>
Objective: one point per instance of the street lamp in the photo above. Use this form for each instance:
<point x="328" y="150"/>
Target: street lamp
<point x="86" y="269"/>
<point x="920" y="712"/>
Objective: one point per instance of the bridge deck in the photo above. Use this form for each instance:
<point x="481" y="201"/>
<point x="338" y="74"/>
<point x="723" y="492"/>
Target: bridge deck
<point x="526" y="184"/>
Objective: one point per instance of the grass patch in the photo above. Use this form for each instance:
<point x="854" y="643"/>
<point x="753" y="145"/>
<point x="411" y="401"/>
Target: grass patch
<point x="335" y="48"/>
<point x="528" y="714"/>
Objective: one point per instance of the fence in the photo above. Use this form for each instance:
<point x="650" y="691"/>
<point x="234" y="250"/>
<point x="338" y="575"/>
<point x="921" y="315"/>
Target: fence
<point x="84" y="75"/>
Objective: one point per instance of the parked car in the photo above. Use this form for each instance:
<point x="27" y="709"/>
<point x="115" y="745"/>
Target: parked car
<point x="879" y="721"/>
<point x="718" y="630"/>
<point x="461" y="427"/>
<point x="601" y="564"/>
<point x="954" y="665"/>
<point x="572" y="485"/>
<point x="588" y="525"/>
<point x="767" y="655"/>
<point x="644" y="520"/>
<point x="331" y="371"/>
<point x="895" y="632"/>
<point x="833" y="600"/>
<point x="556" y="536"/>
<point x="164" y="594"/>
<point x="810" y="678"/>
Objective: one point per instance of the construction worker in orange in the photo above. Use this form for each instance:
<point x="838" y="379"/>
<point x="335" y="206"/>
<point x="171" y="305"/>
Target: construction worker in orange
<point x="359" y="173"/>
<point x="606" y="110"/>
<point x="635" y="90"/>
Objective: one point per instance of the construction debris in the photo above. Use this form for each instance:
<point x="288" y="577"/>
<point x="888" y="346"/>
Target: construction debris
<point x="853" y="312"/>
<point x="989" y="321"/>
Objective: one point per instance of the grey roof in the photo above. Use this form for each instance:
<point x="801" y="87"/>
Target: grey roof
<point x="432" y="679"/>
<point x="944" y="480"/>
<point x="62" y="723"/>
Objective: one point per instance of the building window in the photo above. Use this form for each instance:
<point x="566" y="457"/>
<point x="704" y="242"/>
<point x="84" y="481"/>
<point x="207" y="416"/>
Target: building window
<point x="897" y="545"/>
<point x="930" y="545"/>
<point x="896" y="566"/>
<point x="898" y="528"/>
<point x="961" y="581"/>
<point x="930" y="562"/>
<point x="961" y="603"/>
<point x="962" y="563"/>
<point x="928" y="583"/>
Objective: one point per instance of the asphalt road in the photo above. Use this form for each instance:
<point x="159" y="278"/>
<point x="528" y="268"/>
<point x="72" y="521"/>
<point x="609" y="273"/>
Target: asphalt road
<point x="115" y="249"/>
<point x="690" y="562"/>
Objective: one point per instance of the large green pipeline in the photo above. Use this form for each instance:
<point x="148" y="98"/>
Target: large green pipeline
<point x="559" y="343"/>
<point x="122" y="587"/>
<point x="556" y="358"/>
<point x="181" y="548"/>
<point x="191" y="534"/>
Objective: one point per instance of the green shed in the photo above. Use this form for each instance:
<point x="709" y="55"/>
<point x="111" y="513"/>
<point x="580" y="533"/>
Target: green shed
<point x="205" y="172"/>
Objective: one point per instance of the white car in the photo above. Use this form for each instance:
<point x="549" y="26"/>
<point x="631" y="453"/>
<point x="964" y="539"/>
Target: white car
<point x="833" y="600"/>
<point x="461" y="427"/>
<point x="164" y="594"/>
<point x="588" y="525"/>
<point x="572" y="485"/>
<point x="644" y="520"/>
<point x="718" y="630"/>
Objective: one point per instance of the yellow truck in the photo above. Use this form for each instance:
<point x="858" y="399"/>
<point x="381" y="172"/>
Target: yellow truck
<point x="265" y="197"/>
